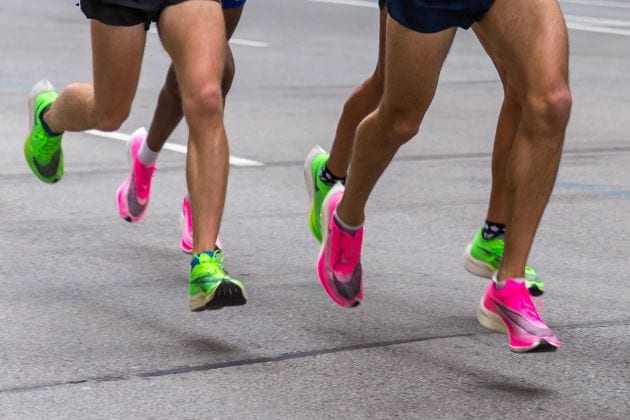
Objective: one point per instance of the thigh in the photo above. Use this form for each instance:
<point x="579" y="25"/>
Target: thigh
<point x="485" y="43"/>
<point x="232" y="16"/>
<point x="413" y="62"/>
<point x="232" y="11"/>
<point x="193" y="34"/>
<point x="529" y="38"/>
<point x="116" y="60"/>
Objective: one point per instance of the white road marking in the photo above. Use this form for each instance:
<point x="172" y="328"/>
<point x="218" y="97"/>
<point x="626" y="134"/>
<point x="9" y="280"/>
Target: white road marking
<point x="236" y="41"/>
<point x="599" y="3"/>
<point x="249" y="43"/>
<point x="598" y="29"/>
<point x="598" y="25"/>
<point x="590" y="20"/>
<point x="173" y="147"/>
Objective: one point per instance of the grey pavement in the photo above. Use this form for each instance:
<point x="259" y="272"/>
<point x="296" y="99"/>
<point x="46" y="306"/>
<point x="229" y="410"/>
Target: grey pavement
<point x="93" y="310"/>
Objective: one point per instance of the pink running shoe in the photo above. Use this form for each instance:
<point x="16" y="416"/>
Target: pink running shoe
<point x="510" y="310"/>
<point x="339" y="264"/>
<point x="133" y="194"/>
<point x="187" y="228"/>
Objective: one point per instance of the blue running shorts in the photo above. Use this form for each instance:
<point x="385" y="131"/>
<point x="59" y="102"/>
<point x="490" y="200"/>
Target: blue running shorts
<point x="430" y="16"/>
<point x="232" y="4"/>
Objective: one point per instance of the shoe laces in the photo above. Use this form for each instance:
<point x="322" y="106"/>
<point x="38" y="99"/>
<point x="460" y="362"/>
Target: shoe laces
<point x="46" y="145"/>
<point x="212" y="264"/>
<point x="343" y="249"/>
<point x="144" y="176"/>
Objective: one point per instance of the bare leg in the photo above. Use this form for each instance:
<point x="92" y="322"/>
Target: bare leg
<point x="412" y="66"/>
<point x="509" y="119"/>
<point x="116" y="60"/>
<point x="193" y="34"/>
<point x="168" y="112"/>
<point x="530" y="38"/>
<point x="363" y="100"/>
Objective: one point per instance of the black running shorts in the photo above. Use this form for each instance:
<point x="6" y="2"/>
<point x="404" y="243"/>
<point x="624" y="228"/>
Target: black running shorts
<point x="429" y="16"/>
<point x="126" y="12"/>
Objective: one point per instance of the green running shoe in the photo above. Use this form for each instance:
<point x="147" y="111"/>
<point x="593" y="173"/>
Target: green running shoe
<point x="484" y="257"/>
<point x="316" y="188"/>
<point x="210" y="287"/>
<point x="42" y="151"/>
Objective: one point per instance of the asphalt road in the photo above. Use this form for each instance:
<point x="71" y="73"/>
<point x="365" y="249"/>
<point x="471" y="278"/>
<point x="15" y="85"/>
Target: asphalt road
<point x="93" y="311"/>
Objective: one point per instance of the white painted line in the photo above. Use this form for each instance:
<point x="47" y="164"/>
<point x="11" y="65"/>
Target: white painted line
<point x="600" y="3"/>
<point x="249" y="43"/>
<point x="358" y="3"/>
<point x="598" y="29"/>
<point x="595" y="21"/>
<point x="236" y="41"/>
<point x="173" y="147"/>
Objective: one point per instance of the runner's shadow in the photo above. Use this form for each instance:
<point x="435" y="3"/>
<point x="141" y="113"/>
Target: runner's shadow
<point x="210" y="346"/>
<point x="515" y="389"/>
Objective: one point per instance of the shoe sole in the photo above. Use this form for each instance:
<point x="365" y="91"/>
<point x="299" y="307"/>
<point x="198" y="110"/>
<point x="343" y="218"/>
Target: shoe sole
<point x="40" y="87"/>
<point x="493" y="322"/>
<point x="310" y="182"/>
<point x="226" y="294"/>
<point x="481" y="269"/>
<point x="476" y="267"/>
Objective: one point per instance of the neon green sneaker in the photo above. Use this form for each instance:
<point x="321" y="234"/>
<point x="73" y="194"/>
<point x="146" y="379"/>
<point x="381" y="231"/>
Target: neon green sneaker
<point x="42" y="151"/>
<point x="316" y="188"/>
<point x="484" y="257"/>
<point x="210" y="286"/>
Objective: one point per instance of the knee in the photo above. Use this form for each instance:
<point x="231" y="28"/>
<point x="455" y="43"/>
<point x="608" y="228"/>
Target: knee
<point x="111" y="120"/>
<point x="400" y="127"/>
<point x="551" y="110"/>
<point x="204" y="103"/>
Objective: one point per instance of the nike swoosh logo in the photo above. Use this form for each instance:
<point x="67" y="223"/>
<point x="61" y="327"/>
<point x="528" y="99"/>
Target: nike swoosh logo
<point x="522" y="322"/>
<point x="135" y="207"/>
<point x="349" y="289"/>
<point x="50" y="169"/>
<point x="497" y="258"/>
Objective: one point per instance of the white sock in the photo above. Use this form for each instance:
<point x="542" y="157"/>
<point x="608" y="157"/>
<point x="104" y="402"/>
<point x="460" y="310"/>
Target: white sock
<point x="346" y="227"/>
<point x="146" y="155"/>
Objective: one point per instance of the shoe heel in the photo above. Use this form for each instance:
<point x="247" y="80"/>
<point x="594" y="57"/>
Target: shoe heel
<point x="490" y="320"/>
<point x="476" y="267"/>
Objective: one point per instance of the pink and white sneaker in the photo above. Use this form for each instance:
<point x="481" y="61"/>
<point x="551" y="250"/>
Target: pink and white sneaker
<point x="510" y="310"/>
<point x="133" y="194"/>
<point x="339" y="263"/>
<point x="186" y="223"/>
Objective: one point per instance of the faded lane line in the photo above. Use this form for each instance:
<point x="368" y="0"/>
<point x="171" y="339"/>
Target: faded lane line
<point x="173" y="147"/>
<point x="287" y="356"/>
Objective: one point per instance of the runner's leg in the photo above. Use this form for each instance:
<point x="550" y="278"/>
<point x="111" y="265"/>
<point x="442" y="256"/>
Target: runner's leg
<point x="168" y="112"/>
<point x="361" y="102"/>
<point x="530" y="38"/>
<point x="116" y="60"/>
<point x="193" y="34"/>
<point x="412" y="66"/>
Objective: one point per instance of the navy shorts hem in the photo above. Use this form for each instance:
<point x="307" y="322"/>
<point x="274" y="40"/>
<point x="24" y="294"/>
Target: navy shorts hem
<point x="431" y="16"/>
<point x="126" y="12"/>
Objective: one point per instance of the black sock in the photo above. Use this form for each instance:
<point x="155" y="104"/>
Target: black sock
<point x="491" y="230"/>
<point x="44" y="125"/>
<point x="329" y="178"/>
